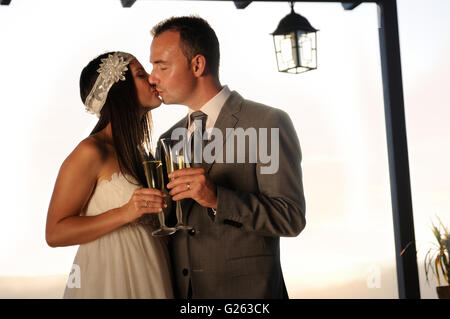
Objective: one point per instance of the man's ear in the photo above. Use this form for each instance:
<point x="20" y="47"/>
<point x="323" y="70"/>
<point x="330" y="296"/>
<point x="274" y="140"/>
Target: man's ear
<point x="198" y="65"/>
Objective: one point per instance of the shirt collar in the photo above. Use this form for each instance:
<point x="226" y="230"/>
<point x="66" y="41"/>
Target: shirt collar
<point x="213" y="107"/>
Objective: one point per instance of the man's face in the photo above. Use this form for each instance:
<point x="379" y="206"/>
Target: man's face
<point x="171" y="72"/>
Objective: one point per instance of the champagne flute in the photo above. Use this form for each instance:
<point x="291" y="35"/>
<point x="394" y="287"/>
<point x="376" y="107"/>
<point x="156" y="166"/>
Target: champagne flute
<point x="174" y="152"/>
<point x="155" y="179"/>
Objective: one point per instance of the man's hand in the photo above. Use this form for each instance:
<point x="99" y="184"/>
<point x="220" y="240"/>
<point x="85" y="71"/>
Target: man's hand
<point x="193" y="183"/>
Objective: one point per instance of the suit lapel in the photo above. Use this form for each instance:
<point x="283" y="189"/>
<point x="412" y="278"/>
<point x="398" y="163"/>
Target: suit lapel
<point x="227" y="119"/>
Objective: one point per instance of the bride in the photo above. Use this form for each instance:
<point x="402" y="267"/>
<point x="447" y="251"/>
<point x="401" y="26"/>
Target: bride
<point x="99" y="202"/>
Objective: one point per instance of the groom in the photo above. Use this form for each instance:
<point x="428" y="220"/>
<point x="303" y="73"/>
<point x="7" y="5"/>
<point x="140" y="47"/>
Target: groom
<point x="239" y="208"/>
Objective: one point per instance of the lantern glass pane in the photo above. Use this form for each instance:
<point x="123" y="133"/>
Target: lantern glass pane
<point x="307" y="49"/>
<point x="285" y="49"/>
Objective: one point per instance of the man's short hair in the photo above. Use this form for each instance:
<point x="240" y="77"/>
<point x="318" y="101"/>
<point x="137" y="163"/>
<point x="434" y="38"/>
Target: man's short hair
<point x="197" y="37"/>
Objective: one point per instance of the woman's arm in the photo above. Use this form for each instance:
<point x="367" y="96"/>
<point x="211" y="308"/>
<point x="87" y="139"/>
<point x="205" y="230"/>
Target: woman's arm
<point x="74" y="185"/>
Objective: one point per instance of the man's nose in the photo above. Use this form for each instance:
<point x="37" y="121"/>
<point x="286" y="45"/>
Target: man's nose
<point x="152" y="79"/>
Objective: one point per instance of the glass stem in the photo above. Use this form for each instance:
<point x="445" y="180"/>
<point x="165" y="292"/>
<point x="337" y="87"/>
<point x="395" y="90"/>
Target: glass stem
<point x="179" y="213"/>
<point x="162" y="222"/>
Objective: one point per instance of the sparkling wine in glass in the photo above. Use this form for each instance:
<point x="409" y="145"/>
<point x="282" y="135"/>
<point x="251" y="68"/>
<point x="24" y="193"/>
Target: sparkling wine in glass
<point x="175" y="157"/>
<point x="155" y="179"/>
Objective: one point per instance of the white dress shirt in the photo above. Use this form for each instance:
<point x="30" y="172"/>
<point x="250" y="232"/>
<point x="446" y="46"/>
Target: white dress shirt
<point x="212" y="108"/>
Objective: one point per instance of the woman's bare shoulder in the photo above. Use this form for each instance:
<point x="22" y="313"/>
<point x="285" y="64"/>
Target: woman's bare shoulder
<point x="89" y="153"/>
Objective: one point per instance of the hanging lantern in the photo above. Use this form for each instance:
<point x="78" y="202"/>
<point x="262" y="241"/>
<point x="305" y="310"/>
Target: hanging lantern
<point x="295" y="42"/>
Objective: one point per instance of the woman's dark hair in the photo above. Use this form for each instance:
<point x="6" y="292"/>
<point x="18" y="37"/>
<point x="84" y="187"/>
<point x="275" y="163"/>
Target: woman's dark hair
<point x="122" y="110"/>
<point x="197" y="37"/>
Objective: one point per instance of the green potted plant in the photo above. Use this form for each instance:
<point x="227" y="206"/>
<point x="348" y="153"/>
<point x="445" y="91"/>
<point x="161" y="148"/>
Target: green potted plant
<point x="437" y="260"/>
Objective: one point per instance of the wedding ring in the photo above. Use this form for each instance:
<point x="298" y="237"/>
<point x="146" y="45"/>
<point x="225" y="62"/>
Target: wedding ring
<point x="188" y="186"/>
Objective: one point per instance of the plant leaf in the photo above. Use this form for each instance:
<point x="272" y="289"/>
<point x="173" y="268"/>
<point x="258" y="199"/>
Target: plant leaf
<point x="425" y="266"/>
<point x="436" y="265"/>
<point x="444" y="266"/>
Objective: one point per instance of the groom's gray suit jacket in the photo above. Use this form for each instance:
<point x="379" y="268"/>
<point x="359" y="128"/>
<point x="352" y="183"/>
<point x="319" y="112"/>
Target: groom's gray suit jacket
<point x="236" y="253"/>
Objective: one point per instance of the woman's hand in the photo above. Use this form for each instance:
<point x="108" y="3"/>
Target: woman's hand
<point x="143" y="201"/>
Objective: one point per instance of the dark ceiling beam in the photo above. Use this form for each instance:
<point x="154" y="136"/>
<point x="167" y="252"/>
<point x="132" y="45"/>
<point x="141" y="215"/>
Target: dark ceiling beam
<point x="347" y="5"/>
<point x="311" y="1"/>
<point x="241" y="4"/>
<point x="244" y="4"/>
<point x="127" y="3"/>
<point x="350" y="5"/>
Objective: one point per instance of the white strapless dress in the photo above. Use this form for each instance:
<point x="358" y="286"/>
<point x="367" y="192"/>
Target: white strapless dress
<point x="125" y="263"/>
